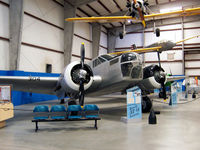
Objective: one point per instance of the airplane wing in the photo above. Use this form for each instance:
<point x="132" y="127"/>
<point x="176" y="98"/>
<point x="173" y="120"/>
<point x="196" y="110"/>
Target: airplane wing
<point x="104" y="19"/>
<point x="107" y="19"/>
<point x="44" y="85"/>
<point x="174" y="78"/>
<point x="172" y="14"/>
<point x="139" y="50"/>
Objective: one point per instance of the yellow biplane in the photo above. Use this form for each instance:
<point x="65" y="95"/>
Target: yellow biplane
<point x="142" y="18"/>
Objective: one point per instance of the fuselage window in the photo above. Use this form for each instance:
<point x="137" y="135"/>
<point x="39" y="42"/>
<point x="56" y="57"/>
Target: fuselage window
<point x="107" y="57"/>
<point x="96" y="62"/>
<point x="101" y="59"/>
<point x="114" y="61"/>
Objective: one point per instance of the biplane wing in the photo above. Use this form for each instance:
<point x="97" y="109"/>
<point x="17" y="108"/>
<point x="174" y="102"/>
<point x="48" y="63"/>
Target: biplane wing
<point x="107" y="19"/>
<point x="172" y="14"/>
<point x="103" y="19"/>
<point x="140" y="50"/>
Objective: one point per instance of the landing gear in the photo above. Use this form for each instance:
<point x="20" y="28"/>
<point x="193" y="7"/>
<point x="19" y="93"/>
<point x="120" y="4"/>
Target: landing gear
<point x="157" y="32"/>
<point x="146" y="104"/>
<point x="161" y="94"/>
<point x="72" y="102"/>
<point x="62" y="101"/>
<point x="121" y="36"/>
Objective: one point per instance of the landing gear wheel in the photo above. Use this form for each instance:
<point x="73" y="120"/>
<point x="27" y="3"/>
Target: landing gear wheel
<point x="121" y="36"/>
<point x="72" y="102"/>
<point x="157" y="32"/>
<point x="160" y="94"/>
<point x="62" y="101"/>
<point x="146" y="104"/>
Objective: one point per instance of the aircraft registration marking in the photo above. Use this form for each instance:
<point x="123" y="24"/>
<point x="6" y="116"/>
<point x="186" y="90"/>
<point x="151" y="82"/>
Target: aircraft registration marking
<point x="34" y="78"/>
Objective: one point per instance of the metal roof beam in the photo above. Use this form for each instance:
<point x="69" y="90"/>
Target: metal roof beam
<point x="79" y="2"/>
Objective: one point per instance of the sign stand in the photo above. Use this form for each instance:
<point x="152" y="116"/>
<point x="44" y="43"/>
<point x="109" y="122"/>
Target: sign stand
<point x="134" y="105"/>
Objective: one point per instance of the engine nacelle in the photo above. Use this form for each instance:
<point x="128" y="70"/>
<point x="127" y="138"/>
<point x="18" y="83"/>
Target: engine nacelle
<point x="70" y="78"/>
<point x="152" y="77"/>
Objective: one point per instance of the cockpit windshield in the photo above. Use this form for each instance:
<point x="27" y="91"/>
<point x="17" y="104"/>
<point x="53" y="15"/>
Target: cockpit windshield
<point x="128" y="57"/>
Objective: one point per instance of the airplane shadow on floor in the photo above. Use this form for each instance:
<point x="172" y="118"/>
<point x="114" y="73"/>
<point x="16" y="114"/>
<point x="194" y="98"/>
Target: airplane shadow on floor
<point x="106" y="100"/>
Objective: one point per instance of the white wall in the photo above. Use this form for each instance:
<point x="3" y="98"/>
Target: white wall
<point x="32" y="59"/>
<point x="45" y="9"/>
<point x="42" y="34"/>
<point x="103" y="42"/>
<point x="129" y="40"/>
<point x="84" y="30"/>
<point x="4" y="32"/>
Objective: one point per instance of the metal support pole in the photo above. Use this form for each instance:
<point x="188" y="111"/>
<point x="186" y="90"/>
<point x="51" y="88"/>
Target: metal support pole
<point x="183" y="53"/>
<point x="95" y="125"/>
<point x="36" y="126"/>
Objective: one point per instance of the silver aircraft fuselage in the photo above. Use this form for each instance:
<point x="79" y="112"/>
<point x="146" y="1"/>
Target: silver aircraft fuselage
<point x="117" y="73"/>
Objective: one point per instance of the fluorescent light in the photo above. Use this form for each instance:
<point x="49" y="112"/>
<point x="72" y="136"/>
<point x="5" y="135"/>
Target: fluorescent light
<point x="170" y="9"/>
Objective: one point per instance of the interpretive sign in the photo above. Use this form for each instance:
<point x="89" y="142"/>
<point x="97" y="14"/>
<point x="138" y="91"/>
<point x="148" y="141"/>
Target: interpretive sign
<point x="134" y="108"/>
<point x="174" y="96"/>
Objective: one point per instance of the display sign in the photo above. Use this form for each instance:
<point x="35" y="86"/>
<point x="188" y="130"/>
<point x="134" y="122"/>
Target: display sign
<point x="134" y="108"/>
<point x="174" y="97"/>
<point x="5" y="93"/>
<point x="156" y="91"/>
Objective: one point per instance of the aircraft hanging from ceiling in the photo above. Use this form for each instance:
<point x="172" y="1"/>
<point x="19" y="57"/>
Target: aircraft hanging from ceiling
<point x="137" y="12"/>
<point x="105" y="74"/>
<point x="138" y="15"/>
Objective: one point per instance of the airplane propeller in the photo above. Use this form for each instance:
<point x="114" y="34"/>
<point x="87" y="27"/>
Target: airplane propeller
<point x="137" y="8"/>
<point x="162" y="78"/>
<point x="82" y="76"/>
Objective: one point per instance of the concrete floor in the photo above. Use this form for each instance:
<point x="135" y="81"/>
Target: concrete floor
<point x="177" y="128"/>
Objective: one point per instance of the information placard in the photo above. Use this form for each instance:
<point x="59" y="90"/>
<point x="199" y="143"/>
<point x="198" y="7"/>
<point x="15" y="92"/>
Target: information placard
<point x="5" y="93"/>
<point x="174" y="97"/>
<point x="134" y="108"/>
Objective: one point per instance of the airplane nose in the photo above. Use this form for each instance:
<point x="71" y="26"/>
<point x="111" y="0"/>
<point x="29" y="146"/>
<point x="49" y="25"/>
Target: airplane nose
<point x="136" y="71"/>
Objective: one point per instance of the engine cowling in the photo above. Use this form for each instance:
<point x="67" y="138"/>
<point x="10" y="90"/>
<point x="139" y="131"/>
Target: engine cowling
<point x="71" y="78"/>
<point x="153" y="76"/>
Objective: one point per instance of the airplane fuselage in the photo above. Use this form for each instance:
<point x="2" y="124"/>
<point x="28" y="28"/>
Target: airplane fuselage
<point x="117" y="73"/>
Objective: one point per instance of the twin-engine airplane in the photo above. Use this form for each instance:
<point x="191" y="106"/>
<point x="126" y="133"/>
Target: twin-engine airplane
<point x="105" y="74"/>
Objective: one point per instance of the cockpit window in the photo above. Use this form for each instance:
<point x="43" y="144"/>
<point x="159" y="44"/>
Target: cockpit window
<point x="101" y="59"/>
<point x="96" y="62"/>
<point x="128" y="57"/>
<point x="107" y="57"/>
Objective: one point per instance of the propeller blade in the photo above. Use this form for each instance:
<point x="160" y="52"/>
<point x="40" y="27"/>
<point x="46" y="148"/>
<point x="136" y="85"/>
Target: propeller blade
<point x="141" y="14"/>
<point x="164" y="90"/>
<point x="82" y="55"/>
<point x="81" y="93"/>
<point x="163" y="82"/>
<point x="159" y="59"/>
<point x="81" y="78"/>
